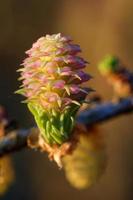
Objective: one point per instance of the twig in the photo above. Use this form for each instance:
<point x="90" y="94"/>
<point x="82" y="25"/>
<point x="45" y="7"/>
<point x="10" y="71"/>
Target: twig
<point x="17" y="140"/>
<point x="105" y="111"/>
<point x="14" y="141"/>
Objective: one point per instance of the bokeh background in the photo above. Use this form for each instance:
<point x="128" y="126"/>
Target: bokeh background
<point x="100" y="27"/>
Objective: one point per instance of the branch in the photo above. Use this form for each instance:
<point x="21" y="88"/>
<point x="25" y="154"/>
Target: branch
<point x="14" y="141"/>
<point x="17" y="140"/>
<point x="105" y="111"/>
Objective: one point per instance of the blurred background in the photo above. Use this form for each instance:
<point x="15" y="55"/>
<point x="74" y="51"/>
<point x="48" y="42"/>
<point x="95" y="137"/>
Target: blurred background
<point x="101" y="27"/>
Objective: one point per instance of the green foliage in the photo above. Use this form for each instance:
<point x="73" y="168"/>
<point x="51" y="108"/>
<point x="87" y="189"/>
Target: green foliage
<point x="55" y="127"/>
<point x="108" y="65"/>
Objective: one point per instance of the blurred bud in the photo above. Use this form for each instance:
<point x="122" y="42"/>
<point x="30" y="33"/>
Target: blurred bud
<point x="117" y="75"/>
<point x="6" y="168"/>
<point x="87" y="162"/>
<point x="6" y="174"/>
<point x="3" y="121"/>
<point x="108" y="65"/>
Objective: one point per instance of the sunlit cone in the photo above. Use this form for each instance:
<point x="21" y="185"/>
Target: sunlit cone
<point x="6" y="174"/>
<point x="51" y="82"/>
<point x="87" y="162"/>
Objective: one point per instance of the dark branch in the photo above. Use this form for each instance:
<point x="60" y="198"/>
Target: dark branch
<point x="105" y="111"/>
<point x="14" y="141"/>
<point x="17" y="140"/>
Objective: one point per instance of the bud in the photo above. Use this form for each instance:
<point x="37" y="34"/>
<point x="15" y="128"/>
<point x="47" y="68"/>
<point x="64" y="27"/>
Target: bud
<point x="87" y="162"/>
<point x="109" y="65"/>
<point x="117" y="75"/>
<point x="6" y="174"/>
<point x="51" y="82"/>
<point x="6" y="168"/>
